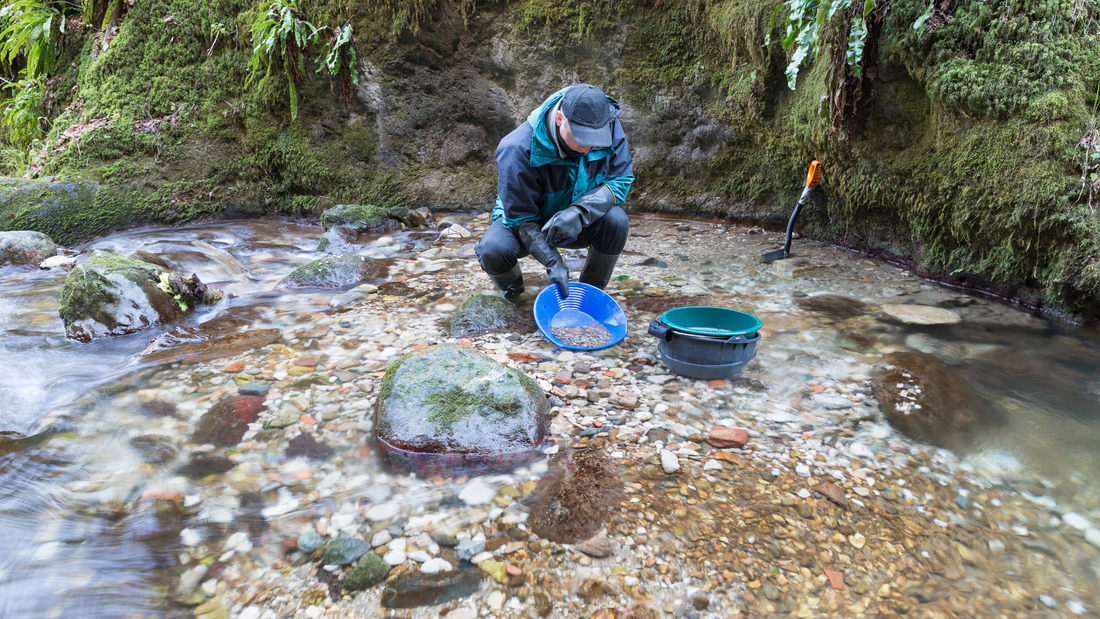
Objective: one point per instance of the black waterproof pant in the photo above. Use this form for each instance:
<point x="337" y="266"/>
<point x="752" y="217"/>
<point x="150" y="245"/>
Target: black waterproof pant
<point x="500" y="248"/>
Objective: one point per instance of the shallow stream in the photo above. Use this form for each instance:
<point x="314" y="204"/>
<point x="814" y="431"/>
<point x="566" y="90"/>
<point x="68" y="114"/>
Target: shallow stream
<point x="106" y="506"/>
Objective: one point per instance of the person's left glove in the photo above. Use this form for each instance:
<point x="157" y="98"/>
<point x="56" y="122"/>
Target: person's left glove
<point x="565" y="226"/>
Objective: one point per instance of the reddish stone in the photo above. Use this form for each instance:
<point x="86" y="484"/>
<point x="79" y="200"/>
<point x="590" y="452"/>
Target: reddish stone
<point x="466" y="342"/>
<point x="836" y="579"/>
<point x="834" y="493"/>
<point x="226" y="422"/>
<point x="581" y="383"/>
<point x="306" y="361"/>
<point x="233" y="368"/>
<point x="723" y="437"/>
<point x="309" y="421"/>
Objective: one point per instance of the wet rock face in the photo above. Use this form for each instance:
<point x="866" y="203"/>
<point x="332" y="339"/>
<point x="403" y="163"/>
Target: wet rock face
<point x="173" y="346"/>
<point x="112" y="295"/>
<point x="406" y="588"/>
<point x="304" y="445"/>
<point x="335" y="272"/>
<point x="145" y="256"/>
<point x="447" y="406"/>
<point x="570" y="503"/>
<point x="833" y="305"/>
<point x="925" y="400"/>
<point x="359" y="218"/>
<point x="484" y="313"/>
<point x="338" y="240"/>
<point x="25" y="247"/>
<point x="921" y="314"/>
<point x="226" y="422"/>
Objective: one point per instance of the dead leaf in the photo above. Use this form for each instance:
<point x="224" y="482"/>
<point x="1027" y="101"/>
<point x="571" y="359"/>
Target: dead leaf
<point x="523" y="357"/>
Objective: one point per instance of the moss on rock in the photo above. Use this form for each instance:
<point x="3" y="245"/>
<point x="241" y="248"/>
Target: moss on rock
<point x="358" y="217"/>
<point x="451" y="399"/>
<point x="338" y="272"/>
<point x="112" y="295"/>
<point x="482" y="313"/>
<point x="369" y="571"/>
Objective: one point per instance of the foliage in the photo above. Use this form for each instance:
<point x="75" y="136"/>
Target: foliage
<point x="14" y="161"/>
<point x="342" y="62"/>
<point x="22" y="115"/>
<point x="1087" y="152"/>
<point x="31" y="29"/>
<point x="805" y="20"/>
<point x="281" y="35"/>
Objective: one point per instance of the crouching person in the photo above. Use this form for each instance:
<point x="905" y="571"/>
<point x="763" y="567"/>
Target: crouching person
<point x="560" y="178"/>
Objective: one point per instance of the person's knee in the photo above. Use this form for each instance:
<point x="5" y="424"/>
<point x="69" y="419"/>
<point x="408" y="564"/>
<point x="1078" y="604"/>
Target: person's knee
<point x="496" y="257"/>
<point x="617" y="221"/>
<point x="614" y="228"/>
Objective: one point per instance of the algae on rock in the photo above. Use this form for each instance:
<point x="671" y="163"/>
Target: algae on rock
<point x="483" y="313"/>
<point x="112" y="295"/>
<point x="450" y="400"/>
<point x="339" y="272"/>
<point x="358" y="217"/>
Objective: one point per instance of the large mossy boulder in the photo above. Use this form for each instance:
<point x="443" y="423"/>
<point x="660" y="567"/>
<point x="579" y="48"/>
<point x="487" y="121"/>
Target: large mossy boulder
<point x="483" y="313"/>
<point x="926" y="400"/>
<point x="111" y="295"/>
<point x="448" y="407"/>
<point x="25" y="247"/>
<point x="335" y="272"/>
<point x="359" y="217"/>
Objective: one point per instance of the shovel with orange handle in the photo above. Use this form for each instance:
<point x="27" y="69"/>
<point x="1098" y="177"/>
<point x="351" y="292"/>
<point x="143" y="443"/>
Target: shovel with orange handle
<point x="812" y="179"/>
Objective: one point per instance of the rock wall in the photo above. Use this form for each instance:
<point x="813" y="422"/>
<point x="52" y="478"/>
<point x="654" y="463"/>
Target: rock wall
<point x="964" y="159"/>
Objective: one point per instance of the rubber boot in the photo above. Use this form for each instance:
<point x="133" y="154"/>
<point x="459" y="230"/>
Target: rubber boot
<point x="598" y="268"/>
<point x="510" y="284"/>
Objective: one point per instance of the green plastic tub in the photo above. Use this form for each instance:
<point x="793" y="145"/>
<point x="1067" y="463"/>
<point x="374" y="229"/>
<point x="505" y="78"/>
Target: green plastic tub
<point x="706" y="342"/>
<point x="711" y="321"/>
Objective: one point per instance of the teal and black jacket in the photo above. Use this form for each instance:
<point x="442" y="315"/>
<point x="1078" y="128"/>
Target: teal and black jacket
<point x="533" y="183"/>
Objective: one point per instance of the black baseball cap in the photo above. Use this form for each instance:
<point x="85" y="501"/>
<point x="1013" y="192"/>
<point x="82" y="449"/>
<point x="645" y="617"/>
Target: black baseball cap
<point x="589" y="115"/>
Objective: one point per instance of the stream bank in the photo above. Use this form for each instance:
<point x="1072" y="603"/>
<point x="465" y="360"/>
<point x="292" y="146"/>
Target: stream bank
<point x="970" y="156"/>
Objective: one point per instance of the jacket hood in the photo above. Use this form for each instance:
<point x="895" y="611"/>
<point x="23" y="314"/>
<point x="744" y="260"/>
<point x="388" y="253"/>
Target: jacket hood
<point x="543" y="150"/>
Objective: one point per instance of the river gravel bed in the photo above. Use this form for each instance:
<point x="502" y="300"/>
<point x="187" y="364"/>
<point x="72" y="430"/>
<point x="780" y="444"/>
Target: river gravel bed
<point x="825" y="511"/>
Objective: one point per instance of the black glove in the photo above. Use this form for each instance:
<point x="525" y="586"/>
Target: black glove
<point x="565" y="225"/>
<point x="535" y="242"/>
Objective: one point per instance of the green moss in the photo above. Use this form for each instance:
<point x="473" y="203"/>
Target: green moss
<point x="86" y="293"/>
<point x="386" y="384"/>
<point x="357" y="216"/>
<point x="368" y="571"/>
<point x="157" y="63"/>
<point x="565" y="22"/>
<point x="993" y="59"/>
<point x="446" y="408"/>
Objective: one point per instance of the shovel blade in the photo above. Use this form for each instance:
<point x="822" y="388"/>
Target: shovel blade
<point x="771" y="256"/>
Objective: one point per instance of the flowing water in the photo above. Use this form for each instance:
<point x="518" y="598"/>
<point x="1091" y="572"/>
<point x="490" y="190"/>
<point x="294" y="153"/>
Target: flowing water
<point x="106" y="503"/>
